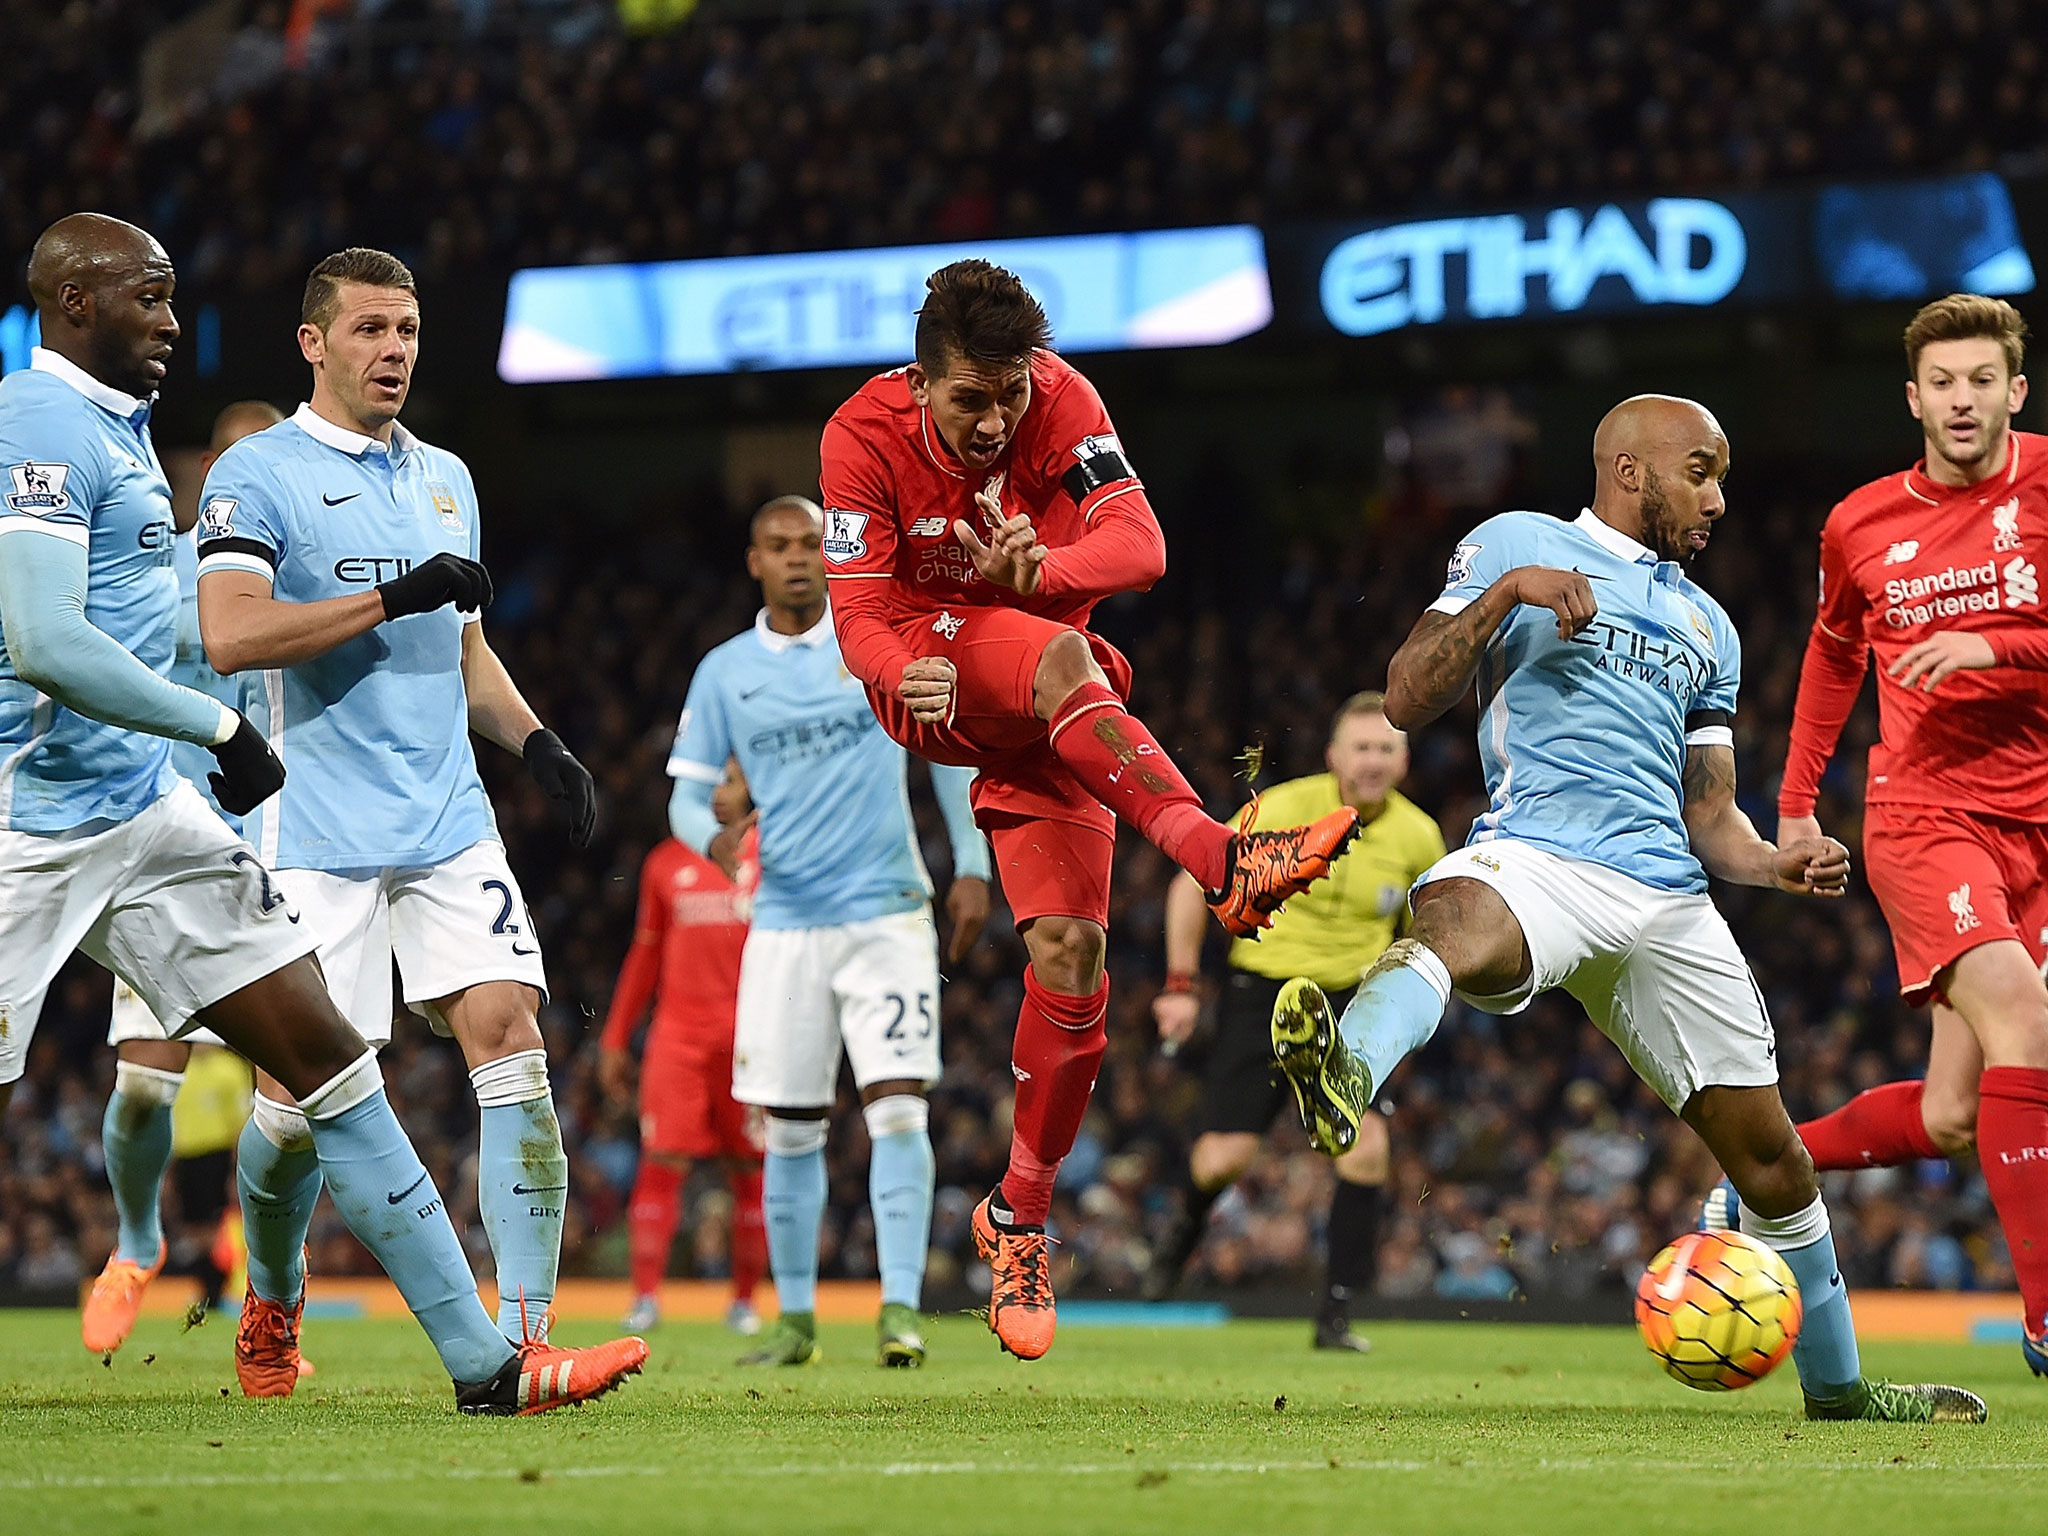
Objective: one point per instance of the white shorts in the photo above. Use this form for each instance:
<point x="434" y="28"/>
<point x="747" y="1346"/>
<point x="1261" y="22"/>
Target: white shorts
<point x="1658" y="971"/>
<point x="449" y="926"/>
<point x="871" y="986"/>
<point x="132" y="1020"/>
<point x="170" y="901"/>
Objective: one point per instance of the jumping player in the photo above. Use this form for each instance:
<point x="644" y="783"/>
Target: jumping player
<point x="978" y="506"/>
<point x="337" y="568"/>
<point x="1331" y="934"/>
<point x="104" y="848"/>
<point x="685" y="958"/>
<point x="1937" y="571"/>
<point x="1610" y="765"/>
<point x="843" y="956"/>
<point x="135" y="1134"/>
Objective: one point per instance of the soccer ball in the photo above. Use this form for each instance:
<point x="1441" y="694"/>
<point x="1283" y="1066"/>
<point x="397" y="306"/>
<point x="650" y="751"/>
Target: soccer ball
<point x="1719" y="1310"/>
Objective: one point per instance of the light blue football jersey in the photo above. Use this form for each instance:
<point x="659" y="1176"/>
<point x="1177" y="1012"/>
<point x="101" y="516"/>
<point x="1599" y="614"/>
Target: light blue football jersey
<point x="837" y="841"/>
<point x="79" y="464"/>
<point x="190" y="668"/>
<point x="1584" y="740"/>
<point x="374" y="734"/>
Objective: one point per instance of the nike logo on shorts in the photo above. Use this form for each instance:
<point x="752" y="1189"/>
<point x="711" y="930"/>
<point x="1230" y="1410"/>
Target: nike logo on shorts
<point x="415" y="1184"/>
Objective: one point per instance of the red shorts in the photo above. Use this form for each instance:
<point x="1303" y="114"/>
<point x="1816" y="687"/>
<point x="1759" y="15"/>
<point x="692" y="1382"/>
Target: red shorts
<point x="686" y="1103"/>
<point x="1950" y="880"/>
<point x="1053" y="839"/>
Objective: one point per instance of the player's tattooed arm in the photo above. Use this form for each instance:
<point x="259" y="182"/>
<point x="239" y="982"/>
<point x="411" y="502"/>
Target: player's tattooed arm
<point x="1436" y="663"/>
<point x="1730" y="847"/>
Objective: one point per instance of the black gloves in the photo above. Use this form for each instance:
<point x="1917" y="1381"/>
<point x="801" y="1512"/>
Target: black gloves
<point x="563" y="780"/>
<point x="443" y="579"/>
<point x="250" y="772"/>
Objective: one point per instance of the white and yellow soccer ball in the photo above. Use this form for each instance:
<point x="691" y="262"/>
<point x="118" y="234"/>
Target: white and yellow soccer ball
<point x="1719" y="1310"/>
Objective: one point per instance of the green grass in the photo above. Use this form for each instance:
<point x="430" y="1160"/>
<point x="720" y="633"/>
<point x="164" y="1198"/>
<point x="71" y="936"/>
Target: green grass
<point x="1444" y="1428"/>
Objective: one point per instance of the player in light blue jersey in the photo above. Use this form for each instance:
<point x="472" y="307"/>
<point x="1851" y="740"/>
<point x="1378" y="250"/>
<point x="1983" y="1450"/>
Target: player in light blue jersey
<point x="104" y="848"/>
<point x="843" y="954"/>
<point x="338" y="575"/>
<point x="1607" y="683"/>
<point x="135" y="1134"/>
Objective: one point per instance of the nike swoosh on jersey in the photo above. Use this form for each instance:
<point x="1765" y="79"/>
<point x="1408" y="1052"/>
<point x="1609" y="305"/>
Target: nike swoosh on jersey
<point x="749" y="693"/>
<point x="538" y="1189"/>
<point x="415" y="1184"/>
<point x="335" y="501"/>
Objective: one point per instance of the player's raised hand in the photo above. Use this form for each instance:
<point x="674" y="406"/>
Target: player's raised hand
<point x="1813" y="866"/>
<point x="1940" y="656"/>
<point x="1565" y="593"/>
<point x="724" y="850"/>
<point x="432" y="583"/>
<point x="967" y="905"/>
<point x="927" y="687"/>
<point x="1012" y="555"/>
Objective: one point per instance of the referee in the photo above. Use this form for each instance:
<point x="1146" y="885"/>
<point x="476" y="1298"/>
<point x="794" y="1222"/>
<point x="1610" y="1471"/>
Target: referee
<point x="1332" y="933"/>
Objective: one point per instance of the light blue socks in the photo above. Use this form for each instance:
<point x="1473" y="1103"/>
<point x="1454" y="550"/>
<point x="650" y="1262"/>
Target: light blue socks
<point x="522" y="1178"/>
<point x="1825" y="1353"/>
<point x="793" y="1200"/>
<point x="135" y="1139"/>
<point x="1396" y="1008"/>
<point x="901" y="1171"/>
<point x="278" y="1175"/>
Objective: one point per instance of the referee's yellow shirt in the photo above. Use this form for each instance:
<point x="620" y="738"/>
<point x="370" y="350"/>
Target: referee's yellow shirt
<point x="1334" y="930"/>
<point x="208" y="1114"/>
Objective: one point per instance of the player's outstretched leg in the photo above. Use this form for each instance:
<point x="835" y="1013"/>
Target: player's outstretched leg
<point x="135" y="1137"/>
<point x="288" y="1027"/>
<point x="793" y="1200"/>
<point x="1749" y="1132"/>
<point x="277" y="1175"/>
<point x="901" y="1175"/>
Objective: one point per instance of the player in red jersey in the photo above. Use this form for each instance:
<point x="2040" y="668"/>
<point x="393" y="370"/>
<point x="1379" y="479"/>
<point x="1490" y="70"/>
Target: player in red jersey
<point x="977" y="507"/>
<point x="685" y="956"/>
<point x="1937" y="571"/>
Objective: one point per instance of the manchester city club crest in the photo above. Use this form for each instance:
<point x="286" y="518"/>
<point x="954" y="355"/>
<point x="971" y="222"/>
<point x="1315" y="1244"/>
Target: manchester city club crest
<point x="444" y="504"/>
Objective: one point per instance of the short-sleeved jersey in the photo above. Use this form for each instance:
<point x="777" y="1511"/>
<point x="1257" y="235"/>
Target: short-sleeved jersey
<point x="1584" y="740"/>
<point x="374" y="734"/>
<point x="1902" y="559"/>
<point x="78" y="464"/>
<point x="837" y="842"/>
<point x="1333" y="931"/>
<point x="699" y="918"/>
<point x="190" y="668"/>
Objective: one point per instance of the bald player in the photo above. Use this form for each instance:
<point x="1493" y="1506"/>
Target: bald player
<point x="1607" y="681"/>
<point x="135" y="1135"/>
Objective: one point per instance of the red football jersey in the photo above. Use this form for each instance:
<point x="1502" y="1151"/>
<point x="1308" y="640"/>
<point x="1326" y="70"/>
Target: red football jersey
<point x="1901" y="560"/>
<point x="687" y="942"/>
<point x="893" y="490"/>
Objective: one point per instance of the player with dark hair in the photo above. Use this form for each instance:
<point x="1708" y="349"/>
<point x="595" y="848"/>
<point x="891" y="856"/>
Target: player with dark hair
<point x="103" y="847"/>
<point x="1936" y="571"/>
<point x="688" y="940"/>
<point x="1331" y="934"/>
<point x="978" y="506"/>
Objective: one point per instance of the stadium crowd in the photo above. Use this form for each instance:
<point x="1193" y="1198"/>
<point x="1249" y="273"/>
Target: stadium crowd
<point x="254" y="135"/>
<point x="1527" y="1156"/>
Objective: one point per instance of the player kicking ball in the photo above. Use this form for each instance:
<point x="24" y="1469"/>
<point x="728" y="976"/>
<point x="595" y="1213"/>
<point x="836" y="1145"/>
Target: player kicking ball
<point x="978" y="507"/>
<point x="843" y="956"/>
<point x="103" y="847"/>
<point x="688" y="939"/>
<point x="1608" y="682"/>
<point x="338" y="571"/>
<point x="149" y="1068"/>
<point x="1936" y="571"/>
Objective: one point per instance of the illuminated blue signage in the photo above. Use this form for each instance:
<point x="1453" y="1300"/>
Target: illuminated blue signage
<point x="1164" y="288"/>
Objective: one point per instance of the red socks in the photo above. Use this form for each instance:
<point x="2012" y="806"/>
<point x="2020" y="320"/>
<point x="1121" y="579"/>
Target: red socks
<point x="1060" y="1040"/>
<point x="2012" y="1146"/>
<point x="1877" y="1129"/>
<point x="651" y="1218"/>
<point x="1109" y="750"/>
<point x="749" y="1233"/>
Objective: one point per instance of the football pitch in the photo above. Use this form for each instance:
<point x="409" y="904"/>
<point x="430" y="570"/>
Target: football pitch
<point x="1443" y="1428"/>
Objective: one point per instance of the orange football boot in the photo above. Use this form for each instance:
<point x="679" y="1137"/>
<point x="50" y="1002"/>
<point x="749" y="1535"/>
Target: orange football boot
<point x="541" y="1376"/>
<point x="1020" y="1310"/>
<point x="267" y="1346"/>
<point x="1268" y="867"/>
<point x="116" y="1298"/>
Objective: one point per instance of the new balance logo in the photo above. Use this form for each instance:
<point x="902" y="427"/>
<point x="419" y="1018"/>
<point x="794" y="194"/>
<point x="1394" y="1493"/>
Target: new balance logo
<point x="2022" y="585"/>
<point x="1965" y="913"/>
<point x="928" y="528"/>
<point x="946" y="626"/>
<point x="1902" y="551"/>
<point x="2005" y="526"/>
